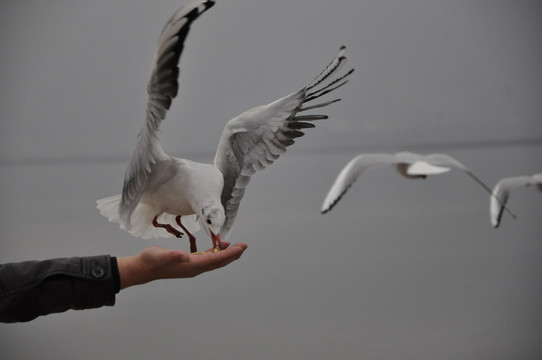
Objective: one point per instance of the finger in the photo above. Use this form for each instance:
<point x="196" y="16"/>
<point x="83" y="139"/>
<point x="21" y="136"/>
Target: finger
<point x="220" y="259"/>
<point x="225" y="245"/>
<point x="211" y="255"/>
<point x="243" y="246"/>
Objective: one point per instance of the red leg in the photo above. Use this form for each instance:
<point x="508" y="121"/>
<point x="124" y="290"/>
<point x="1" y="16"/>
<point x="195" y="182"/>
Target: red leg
<point x="170" y="229"/>
<point x="193" y="246"/>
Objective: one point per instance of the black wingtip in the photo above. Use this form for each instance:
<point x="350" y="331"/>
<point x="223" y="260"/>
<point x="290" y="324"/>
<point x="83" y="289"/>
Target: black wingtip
<point x="296" y="125"/>
<point x="292" y="134"/>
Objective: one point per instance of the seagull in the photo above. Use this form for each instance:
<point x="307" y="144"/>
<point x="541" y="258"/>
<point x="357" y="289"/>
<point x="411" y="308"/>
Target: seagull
<point x="408" y="164"/>
<point x="501" y="192"/>
<point x="165" y="196"/>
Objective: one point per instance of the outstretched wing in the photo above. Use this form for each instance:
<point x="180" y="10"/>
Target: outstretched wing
<point x="162" y="88"/>
<point x="256" y="138"/>
<point x="350" y="173"/>
<point x="447" y="160"/>
<point x="501" y="193"/>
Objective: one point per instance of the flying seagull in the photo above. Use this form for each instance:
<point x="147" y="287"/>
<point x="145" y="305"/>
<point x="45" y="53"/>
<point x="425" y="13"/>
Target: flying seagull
<point x="501" y="192"/>
<point x="410" y="165"/>
<point x="166" y="196"/>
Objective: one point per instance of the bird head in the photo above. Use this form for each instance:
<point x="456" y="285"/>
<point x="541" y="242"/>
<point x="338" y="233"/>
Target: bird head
<point x="212" y="218"/>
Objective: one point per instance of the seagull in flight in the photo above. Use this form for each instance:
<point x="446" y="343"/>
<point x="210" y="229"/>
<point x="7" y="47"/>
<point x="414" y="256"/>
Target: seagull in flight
<point x="502" y="190"/>
<point x="408" y="164"/>
<point x="166" y="196"/>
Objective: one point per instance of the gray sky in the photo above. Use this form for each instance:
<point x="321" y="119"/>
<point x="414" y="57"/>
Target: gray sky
<point x="399" y="269"/>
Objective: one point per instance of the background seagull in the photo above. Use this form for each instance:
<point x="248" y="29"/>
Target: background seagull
<point x="501" y="193"/>
<point x="160" y="189"/>
<point x="410" y="165"/>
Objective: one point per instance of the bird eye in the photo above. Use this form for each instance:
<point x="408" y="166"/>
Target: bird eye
<point x="209" y="221"/>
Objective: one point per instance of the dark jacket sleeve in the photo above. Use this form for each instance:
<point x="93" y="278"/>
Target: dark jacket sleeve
<point x="33" y="288"/>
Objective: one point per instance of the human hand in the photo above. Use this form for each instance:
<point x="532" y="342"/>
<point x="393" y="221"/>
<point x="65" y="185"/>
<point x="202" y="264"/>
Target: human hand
<point x="160" y="263"/>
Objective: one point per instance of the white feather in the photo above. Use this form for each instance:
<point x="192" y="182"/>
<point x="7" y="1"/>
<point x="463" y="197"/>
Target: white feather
<point x="142" y="218"/>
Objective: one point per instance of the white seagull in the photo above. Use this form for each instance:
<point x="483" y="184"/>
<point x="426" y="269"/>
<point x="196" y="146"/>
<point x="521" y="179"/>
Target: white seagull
<point x="160" y="189"/>
<point x="410" y="165"/>
<point x="501" y="193"/>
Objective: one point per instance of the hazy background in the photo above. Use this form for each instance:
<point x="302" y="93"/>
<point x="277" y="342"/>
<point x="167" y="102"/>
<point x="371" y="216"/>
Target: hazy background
<point x="398" y="270"/>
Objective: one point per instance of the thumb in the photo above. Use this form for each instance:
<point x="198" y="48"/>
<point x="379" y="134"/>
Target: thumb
<point x="178" y="256"/>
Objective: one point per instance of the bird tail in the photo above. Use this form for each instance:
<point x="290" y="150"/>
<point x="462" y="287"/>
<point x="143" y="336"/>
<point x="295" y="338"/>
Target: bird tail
<point x="141" y="219"/>
<point x="109" y="207"/>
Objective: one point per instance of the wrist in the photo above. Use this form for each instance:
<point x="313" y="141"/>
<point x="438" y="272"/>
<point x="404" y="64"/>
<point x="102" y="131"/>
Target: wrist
<point x="132" y="271"/>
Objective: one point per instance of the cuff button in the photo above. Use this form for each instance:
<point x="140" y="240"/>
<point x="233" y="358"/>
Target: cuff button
<point x="97" y="272"/>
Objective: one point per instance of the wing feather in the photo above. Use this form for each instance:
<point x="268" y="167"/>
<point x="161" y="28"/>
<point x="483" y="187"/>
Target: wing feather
<point x="350" y="173"/>
<point x="501" y="193"/>
<point x="446" y="160"/>
<point x="162" y="88"/>
<point x="255" y="139"/>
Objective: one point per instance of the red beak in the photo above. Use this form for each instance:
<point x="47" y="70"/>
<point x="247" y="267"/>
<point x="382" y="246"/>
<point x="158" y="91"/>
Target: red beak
<point x="216" y="240"/>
